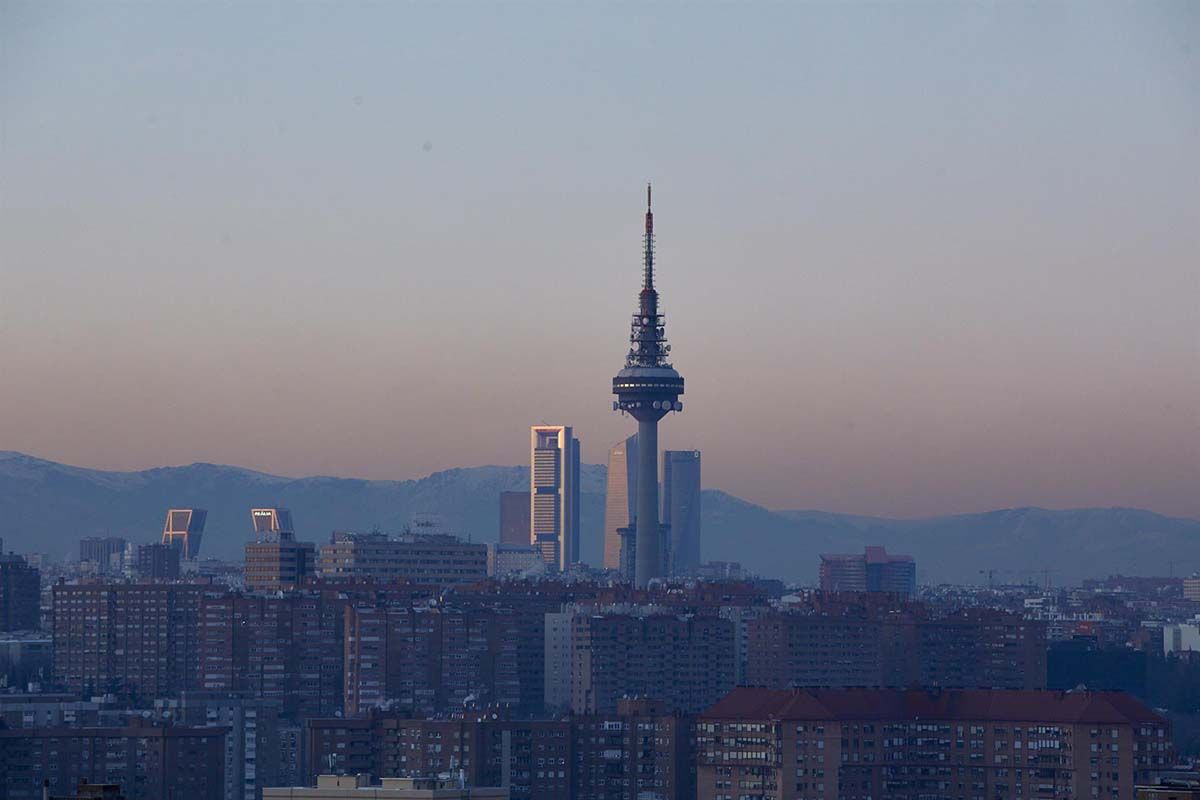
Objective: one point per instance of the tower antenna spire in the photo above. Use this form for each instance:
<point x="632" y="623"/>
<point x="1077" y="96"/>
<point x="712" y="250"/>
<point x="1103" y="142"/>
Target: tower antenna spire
<point x="648" y="276"/>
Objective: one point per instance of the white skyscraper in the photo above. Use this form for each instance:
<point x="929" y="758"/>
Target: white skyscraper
<point x="620" y="498"/>
<point x="554" y="493"/>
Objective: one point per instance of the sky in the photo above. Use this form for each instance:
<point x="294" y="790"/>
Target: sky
<point x="916" y="258"/>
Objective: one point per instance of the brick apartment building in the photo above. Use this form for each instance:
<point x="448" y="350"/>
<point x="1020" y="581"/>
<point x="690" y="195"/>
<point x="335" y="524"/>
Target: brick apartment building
<point x="863" y="646"/>
<point x="138" y="640"/>
<point x="854" y="744"/>
<point x="430" y="659"/>
<point x="261" y="748"/>
<point x="687" y="661"/>
<point x="639" y="752"/>
<point x="149" y="763"/>
<point x="287" y="647"/>
<point x="643" y="751"/>
<point x="155" y="562"/>
<point x="529" y="757"/>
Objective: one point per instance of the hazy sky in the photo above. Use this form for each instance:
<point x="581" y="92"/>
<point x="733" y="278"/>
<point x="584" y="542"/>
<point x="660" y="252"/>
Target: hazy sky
<point x="915" y="259"/>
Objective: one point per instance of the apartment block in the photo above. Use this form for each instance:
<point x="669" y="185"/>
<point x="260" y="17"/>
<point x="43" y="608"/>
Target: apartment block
<point x="530" y="758"/>
<point x="138" y="640"/>
<point x="256" y="740"/>
<point x="642" y="751"/>
<point x="686" y="661"/>
<point x="156" y="562"/>
<point x="148" y="762"/>
<point x="286" y="647"/>
<point x="430" y="659"/>
<point x="854" y="744"/>
<point x="865" y="646"/>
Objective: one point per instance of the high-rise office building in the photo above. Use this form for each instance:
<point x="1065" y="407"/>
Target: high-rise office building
<point x="514" y="518"/>
<point x="554" y="493"/>
<point x="106" y="552"/>
<point x="272" y="523"/>
<point x="620" y="498"/>
<point x="20" y="594"/>
<point x="183" y="529"/>
<point x="875" y="570"/>
<point x="275" y="560"/>
<point x="681" y="509"/>
<point x="431" y="558"/>
<point x="156" y="561"/>
<point x="648" y="388"/>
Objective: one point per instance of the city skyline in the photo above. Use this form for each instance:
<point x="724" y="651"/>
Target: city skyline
<point x="928" y="531"/>
<point x="965" y="288"/>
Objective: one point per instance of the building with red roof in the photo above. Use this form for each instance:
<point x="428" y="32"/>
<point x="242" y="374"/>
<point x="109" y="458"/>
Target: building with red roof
<point x="905" y="744"/>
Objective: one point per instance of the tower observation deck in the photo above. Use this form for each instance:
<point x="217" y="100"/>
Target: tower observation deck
<point x="648" y="388"/>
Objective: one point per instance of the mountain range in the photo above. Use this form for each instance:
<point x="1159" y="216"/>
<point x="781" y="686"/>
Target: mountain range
<point x="47" y="507"/>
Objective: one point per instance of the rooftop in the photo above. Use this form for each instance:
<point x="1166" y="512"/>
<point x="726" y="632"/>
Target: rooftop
<point x="1082" y="707"/>
<point x="358" y="787"/>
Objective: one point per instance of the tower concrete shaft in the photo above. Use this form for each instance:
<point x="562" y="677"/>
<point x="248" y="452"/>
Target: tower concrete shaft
<point x="648" y="555"/>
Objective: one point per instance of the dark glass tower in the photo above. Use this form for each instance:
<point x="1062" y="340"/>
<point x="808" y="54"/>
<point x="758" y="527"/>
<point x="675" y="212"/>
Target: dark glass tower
<point x="647" y="389"/>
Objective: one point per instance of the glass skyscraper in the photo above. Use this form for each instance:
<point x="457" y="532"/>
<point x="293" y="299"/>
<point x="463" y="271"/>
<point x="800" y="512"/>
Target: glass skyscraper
<point x="681" y="509"/>
<point x="620" y="497"/>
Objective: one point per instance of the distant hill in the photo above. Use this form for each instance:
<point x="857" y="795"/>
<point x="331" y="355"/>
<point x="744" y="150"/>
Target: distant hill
<point x="48" y="507"/>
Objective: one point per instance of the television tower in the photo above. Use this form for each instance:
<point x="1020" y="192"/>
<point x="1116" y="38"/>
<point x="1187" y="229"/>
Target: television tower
<point x="647" y="389"/>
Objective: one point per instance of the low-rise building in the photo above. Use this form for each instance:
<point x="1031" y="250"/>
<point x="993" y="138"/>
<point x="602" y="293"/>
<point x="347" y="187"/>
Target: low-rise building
<point x="1169" y="790"/>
